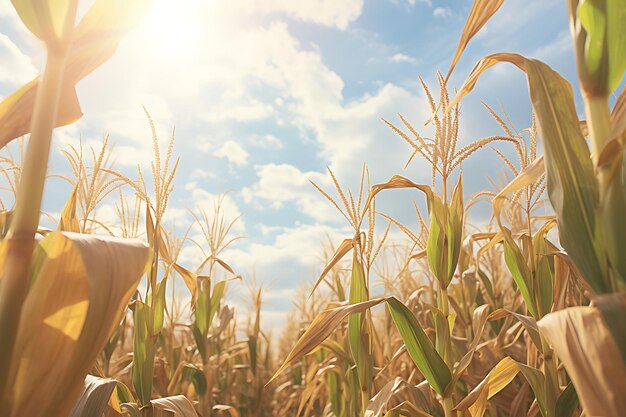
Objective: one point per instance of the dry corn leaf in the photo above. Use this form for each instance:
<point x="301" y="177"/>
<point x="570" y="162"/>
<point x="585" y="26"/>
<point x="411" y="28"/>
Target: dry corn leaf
<point x="397" y="386"/>
<point x="80" y="290"/>
<point x="481" y="12"/>
<point x="583" y="341"/>
<point x="344" y="247"/>
<point x="318" y="331"/>
<point x="47" y="19"/>
<point x="231" y="410"/>
<point x="94" y="398"/>
<point x="69" y="221"/>
<point x="176" y="406"/>
<point x="526" y="177"/>
<point x="95" y="39"/>
<point x="495" y="381"/>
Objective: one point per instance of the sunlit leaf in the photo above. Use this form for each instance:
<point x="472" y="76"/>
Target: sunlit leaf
<point x="75" y="302"/>
<point x="176" y="406"/>
<point x="495" y="381"/>
<point x="481" y="12"/>
<point x="583" y="342"/>
<point x="94" y="398"/>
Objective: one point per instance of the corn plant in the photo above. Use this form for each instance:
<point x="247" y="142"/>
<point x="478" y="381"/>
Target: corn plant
<point x="39" y="306"/>
<point x="584" y="186"/>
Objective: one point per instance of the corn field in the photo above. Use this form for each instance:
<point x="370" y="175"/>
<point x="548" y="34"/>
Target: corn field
<point x="519" y="316"/>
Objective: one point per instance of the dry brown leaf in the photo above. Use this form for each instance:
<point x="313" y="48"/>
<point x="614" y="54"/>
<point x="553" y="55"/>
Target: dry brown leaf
<point x="322" y="326"/>
<point x="495" y="381"/>
<point x="481" y="12"/>
<point x="80" y="292"/>
<point x="176" y="406"/>
<point x="582" y="340"/>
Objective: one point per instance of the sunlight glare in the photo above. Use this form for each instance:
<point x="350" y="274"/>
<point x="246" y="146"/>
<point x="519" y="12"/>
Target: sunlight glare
<point x="173" y="28"/>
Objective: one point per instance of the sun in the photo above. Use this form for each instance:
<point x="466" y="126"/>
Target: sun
<point x="173" y="28"/>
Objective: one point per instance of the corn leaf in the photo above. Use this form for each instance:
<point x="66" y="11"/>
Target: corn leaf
<point x="143" y="353"/>
<point x="613" y="308"/>
<point x="495" y="381"/>
<point x="320" y="329"/>
<point x="481" y="315"/>
<point x="45" y="19"/>
<point x="69" y="221"/>
<point x="94" y="398"/>
<point x="379" y="403"/>
<point x="76" y="300"/>
<point x="419" y="346"/>
<point x="176" y="406"/>
<point x="582" y="340"/>
<point x="159" y="307"/>
<point x="572" y="185"/>
<point x="529" y="323"/>
<point x="195" y="375"/>
<point x="203" y="305"/>
<point x="358" y="326"/>
<point x="516" y="262"/>
<point x="567" y="402"/>
<point x="481" y="12"/>
<point x="537" y="382"/>
<point x="604" y="52"/>
<point x="94" y="41"/>
<point x="344" y="247"/>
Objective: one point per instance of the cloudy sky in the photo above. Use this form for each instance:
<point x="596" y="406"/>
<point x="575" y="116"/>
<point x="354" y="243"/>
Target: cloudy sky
<point x="265" y="94"/>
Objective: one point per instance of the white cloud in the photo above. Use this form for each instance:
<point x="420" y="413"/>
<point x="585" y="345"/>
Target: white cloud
<point x="442" y="12"/>
<point x="561" y="45"/>
<point x="266" y="141"/>
<point x="399" y="57"/>
<point x="325" y="12"/>
<point x="233" y="152"/>
<point x="515" y="16"/>
<point x="412" y="3"/>
<point x="6" y="9"/>
<point x="301" y="244"/>
<point x="280" y="184"/>
<point x="17" y="68"/>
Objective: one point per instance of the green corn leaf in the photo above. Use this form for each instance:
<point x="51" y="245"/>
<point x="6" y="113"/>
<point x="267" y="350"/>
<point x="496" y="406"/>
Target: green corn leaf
<point x="537" y="382"/>
<point x="195" y="375"/>
<point x="516" y="262"/>
<point x="543" y="283"/>
<point x="454" y="231"/>
<point x="143" y="354"/>
<point x="437" y="243"/>
<point x="604" y="48"/>
<point x="159" y="308"/>
<point x="200" y="342"/>
<point x="358" y="326"/>
<point x="419" y="346"/>
<point x="203" y="305"/>
<point x="567" y="402"/>
<point x="253" y="352"/>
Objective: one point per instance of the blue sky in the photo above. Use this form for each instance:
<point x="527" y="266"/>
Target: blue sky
<point x="264" y="95"/>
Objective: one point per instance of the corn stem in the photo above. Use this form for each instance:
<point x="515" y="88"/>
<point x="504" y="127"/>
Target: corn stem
<point x="599" y="126"/>
<point x="21" y="237"/>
